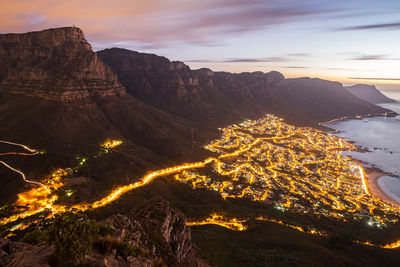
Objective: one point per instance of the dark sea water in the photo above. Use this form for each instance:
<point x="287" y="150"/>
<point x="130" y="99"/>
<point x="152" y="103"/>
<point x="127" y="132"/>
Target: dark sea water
<point x="381" y="136"/>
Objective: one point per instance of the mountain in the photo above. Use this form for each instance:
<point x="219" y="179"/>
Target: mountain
<point x="70" y="93"/>
<point x="369" y="93"/>
<point x="220" y="97"/>
<point x="58" y="96"/>
<point x="55" y="65"/>
<point x="321" y="99"/>
<point x="202" y="95"/>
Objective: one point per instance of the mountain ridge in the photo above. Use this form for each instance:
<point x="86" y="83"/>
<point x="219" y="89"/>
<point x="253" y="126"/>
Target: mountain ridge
<point x="150" y="78"/>
<point x="369" y="93"/>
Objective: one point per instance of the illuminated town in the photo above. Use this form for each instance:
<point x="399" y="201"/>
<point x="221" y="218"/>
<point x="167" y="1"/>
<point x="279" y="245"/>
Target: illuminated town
<point x="297" y="169"/>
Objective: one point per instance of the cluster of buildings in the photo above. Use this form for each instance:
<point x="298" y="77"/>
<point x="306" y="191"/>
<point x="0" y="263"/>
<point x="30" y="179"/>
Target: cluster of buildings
<point x="298" y="168"/>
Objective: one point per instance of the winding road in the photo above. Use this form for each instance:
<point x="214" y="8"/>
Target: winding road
<point x="32" y="152"/>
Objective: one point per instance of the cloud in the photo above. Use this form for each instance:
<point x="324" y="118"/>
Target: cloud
<point x="374" y="57"/>
<point x="293" y="67"/>
<point x="299" y="55"/>
<point x="384" y="26"/>
<point x="377" y="79"/>
<point x="200" y="61"/>
<point x="158" y="23"/>
<point x="239" y="60"/>
<point x="269" y="59"/>
<point x="328" y="68"/>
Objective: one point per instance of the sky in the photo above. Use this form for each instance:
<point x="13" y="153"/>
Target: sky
<point x="351" y="41"/>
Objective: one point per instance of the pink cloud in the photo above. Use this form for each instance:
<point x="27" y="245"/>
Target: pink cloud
<point x="153" y="22"/>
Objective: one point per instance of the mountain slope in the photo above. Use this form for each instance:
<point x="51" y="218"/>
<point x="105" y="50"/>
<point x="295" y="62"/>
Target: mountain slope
<point x="57" y="95"/>
<point x="323" y="100"/>
<point x="369" y="93"/>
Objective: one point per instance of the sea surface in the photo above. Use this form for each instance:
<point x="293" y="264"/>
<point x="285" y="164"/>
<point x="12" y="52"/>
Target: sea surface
<point x="381" y="136"/>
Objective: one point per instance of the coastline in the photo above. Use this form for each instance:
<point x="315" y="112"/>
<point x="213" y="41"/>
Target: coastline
<point x="359" y="117"/>
<point x="372" y="173"/>
<point x="376" y="190"/>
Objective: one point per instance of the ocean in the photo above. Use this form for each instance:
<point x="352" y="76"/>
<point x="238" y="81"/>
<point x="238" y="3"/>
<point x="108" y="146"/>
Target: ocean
<point x="381" y="136"/>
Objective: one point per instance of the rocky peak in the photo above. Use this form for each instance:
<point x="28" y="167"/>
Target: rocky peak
<point x="56" y="64"/>
<point x="45" y="38"/>
<point x="158" y="214"/>
<point x="23" y="254"/>
<point x="159" y="228"/>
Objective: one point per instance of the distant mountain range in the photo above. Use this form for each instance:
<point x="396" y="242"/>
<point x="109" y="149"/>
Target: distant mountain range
<point x="369" y="93"/>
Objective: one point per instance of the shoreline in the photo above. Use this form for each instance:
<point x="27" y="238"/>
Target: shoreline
<point x="359" y="117"/>
<point x="376" y="190"/>
<point x="372" y="173"/>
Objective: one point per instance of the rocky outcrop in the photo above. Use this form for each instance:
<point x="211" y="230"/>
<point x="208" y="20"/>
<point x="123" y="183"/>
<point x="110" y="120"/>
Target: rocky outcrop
<point x="23" y="254"/>
<point x="54" y="64"/>
<point x="160" y="229"/>
<point x="159" y="214"/>
<point x="369" y="93"/>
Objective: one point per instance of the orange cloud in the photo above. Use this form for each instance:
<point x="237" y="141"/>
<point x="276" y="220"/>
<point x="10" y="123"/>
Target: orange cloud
<point x="155" y="22"/>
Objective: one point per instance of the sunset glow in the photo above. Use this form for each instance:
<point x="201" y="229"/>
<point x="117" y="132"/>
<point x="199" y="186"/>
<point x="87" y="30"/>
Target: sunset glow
<point x="348" y="41"/>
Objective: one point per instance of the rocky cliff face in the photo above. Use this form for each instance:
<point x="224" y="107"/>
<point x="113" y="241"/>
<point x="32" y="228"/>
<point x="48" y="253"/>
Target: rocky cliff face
<point x="369" y="93"/>
<point x="23" y="254"/>
<point x="55" y="64"/>
<point x="159" y="214"/>
<point x="160" y="229"/>
<point x="151" y="75"/>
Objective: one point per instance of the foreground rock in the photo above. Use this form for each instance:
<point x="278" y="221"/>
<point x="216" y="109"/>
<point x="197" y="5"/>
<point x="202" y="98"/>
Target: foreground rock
<point x="23" y="254"/>
<point x="161" y="231"/>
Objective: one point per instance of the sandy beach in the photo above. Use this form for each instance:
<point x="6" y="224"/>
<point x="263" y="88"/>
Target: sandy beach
<point x="374" y="188"/>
